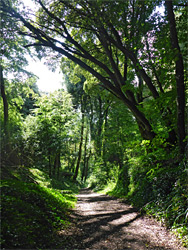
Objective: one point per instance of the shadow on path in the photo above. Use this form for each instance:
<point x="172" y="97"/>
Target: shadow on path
<point x="104" y="222"/>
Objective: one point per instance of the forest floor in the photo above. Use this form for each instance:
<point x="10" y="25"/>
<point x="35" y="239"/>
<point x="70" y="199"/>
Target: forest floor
<point x="104" y="222"/>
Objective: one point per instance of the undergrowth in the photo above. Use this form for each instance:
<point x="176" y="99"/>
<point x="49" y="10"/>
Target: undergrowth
<point x="159" y="189"/>
<point x="33" y="212"/>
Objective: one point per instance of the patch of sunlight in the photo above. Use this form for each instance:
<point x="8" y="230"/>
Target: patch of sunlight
<point x="109" y="187"/>
<point x="41" y="177"/>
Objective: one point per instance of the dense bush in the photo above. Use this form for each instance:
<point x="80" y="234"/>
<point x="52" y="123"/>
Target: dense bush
<point x="156" y="182"/>
<point x="172" y="208"/>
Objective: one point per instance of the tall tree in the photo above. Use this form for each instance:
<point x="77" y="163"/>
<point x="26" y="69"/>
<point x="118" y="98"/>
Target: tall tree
<point x="49" y="129"/>
<point x="180" y="86"/>
<point x="105" y="38"/>
<point x="80" y="149"/>
<point x="5" y="114"/>
<point x="5" y="101"/>
<point x="12" y="73"/>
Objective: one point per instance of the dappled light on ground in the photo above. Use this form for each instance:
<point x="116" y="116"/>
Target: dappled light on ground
<point x="103" y="222"/>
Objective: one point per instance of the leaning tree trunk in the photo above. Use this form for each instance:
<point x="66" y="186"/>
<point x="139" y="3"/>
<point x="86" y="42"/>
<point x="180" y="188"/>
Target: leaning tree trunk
<point x="179" y="77"/>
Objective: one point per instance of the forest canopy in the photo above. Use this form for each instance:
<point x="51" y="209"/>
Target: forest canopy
<point x="125" y="47"/>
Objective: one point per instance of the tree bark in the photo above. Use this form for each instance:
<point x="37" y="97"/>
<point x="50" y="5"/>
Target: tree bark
<point x="180" y="86"/>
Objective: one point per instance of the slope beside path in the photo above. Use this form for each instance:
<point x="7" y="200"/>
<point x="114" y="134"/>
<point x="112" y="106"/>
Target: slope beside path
<point x="103" y="222"/>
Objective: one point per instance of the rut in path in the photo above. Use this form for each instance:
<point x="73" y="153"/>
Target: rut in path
<point x="103" y="222"/>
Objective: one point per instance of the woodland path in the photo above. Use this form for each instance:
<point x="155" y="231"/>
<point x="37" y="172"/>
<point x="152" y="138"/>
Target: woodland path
<point x="102" y="222"/>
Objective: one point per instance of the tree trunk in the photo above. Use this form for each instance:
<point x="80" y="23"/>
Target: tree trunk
<point x="55" y="166"/>
<point x="99" y="128"/>
<point x="179" y="77"/>
<point x="87" y="166"/>
<point x="5" y="102"/>
<point x="80" y="149"/>
<point x="49" y="164"/>
<point x="58" y="164"/>
<point x="85" y="156"/>
<point x="104" y="151"/>
<point x="6" y="139"/>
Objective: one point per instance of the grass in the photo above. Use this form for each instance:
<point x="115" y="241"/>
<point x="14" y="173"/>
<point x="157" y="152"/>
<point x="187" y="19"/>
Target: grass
<point x="33" y="212"/>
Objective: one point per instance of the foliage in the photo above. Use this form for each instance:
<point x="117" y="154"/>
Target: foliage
<point x="51" y="127"/>
<point x="100" y="174"/>
<point x="32" y="213"/>
<point x="172" y="208"/>
<point x="158" y="187"/>
<point x="21" y="98"/>
<point x="140" y="68"/>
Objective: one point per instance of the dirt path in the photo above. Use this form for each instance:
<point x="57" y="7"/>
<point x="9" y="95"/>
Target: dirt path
<point x="103" y="222"/>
